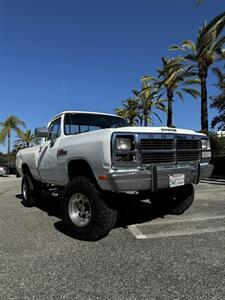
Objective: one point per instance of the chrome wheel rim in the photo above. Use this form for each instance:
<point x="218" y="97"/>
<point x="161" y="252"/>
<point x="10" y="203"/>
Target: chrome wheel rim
<point x="25" y="190"/>
<point x="79" y="209"/>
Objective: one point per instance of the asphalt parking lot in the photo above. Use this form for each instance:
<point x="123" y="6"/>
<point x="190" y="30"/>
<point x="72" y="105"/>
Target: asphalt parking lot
<point x="145" y="257"/>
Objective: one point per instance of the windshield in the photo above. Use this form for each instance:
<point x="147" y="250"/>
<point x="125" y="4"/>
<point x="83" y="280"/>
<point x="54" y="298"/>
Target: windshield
<point x="78" y="123"/>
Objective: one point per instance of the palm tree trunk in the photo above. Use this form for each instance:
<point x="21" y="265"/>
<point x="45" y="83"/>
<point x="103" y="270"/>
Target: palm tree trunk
<point x="145" y="119"/>
<point x="170" y="108"/>
<point x="204" y="104"/>
<point x="140" y="120"/>
<point x="131" y="121"/>
<point x="8" y="146"/>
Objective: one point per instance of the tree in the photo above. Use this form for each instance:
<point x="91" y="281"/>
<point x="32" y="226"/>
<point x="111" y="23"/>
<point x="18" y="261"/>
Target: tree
<point x="25" y="139"/>
<point x="218" y="101"/>
<point x="202" y="54"/>
<point x="148" y="100"/>
<point x="3" y="158"/>
<point x="141" y="108"/>
<point x="129" y="111"/>
<point x="174" y="79"/>
<point x="12" y="123"/>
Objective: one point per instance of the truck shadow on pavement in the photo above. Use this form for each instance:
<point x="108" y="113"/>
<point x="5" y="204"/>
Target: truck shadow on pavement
<point x="47" y="203"/>
<point x="129" y="211"/>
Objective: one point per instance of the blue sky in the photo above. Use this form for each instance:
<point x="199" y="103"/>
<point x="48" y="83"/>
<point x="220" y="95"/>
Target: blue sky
<point x="88" y="55"/>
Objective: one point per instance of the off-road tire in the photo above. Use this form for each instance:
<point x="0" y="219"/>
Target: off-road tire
<point x="33" y="191"/>
<point x="173" y="201"/>
<point x="183" y="199"/>
<point x="102" y="217"/>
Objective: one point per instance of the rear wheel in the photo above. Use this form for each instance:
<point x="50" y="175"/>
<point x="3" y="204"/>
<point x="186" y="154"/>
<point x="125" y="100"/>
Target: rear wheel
<point x="30" y="190"/>
<point x="84" y="212"/>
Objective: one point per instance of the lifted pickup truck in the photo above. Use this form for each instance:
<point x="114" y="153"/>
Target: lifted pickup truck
<point x="88" y="155"/>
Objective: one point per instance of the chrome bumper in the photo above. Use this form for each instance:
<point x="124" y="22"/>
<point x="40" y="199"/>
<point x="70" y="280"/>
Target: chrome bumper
<point x="156" y="178"/>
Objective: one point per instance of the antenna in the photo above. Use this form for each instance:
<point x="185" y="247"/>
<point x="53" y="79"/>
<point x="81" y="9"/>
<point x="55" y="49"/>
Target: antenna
<point x="65" y="94"/>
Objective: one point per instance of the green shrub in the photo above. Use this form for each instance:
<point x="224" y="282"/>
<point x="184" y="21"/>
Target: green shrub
<point x="217" y="144"/>
<point x="3" y="158"/>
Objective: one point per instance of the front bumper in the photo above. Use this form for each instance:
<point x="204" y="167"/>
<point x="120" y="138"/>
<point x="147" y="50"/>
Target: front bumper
<point x="156" y="178"/>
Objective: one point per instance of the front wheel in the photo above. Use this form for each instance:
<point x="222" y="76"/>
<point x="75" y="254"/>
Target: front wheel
<point x="84" y="212"/>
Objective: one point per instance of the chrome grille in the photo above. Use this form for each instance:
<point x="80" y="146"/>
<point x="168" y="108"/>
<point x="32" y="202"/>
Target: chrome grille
<point x="148" y="158"/>
<point x="156" y="144"/>
<point x="188" y="150"/>
<point x="169" y="150"/>
<point x="188" y="156"/>
<point x="188" y="144"/>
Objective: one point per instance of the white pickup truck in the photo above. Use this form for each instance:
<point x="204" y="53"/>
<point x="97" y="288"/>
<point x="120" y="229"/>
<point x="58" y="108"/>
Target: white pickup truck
<point x="88" y="155"/>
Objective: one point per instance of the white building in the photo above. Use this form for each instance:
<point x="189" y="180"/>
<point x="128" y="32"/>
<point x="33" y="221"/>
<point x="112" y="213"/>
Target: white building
<point x="221" y="133"/>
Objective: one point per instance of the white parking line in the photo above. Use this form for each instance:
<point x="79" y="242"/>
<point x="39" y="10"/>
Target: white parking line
<point x="174" y="233"/>
<point x="139" y="235"/>
<point x="214" y="181"/>
<point x="136" y="232"/>
<point x="185" y="220"/>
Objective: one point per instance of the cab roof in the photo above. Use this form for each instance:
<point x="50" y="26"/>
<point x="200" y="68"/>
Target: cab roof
<point x="83" y="112"/>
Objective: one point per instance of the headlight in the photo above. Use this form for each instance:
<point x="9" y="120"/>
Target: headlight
<point x="123" y="144"/>
<point x="205" y="144"/>
<point x="123" y="149"/>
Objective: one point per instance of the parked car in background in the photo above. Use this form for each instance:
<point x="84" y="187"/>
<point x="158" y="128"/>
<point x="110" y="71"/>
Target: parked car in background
<point x="12" y="169"/>
<point x="3" y="170"/>
<point x="8" y="169"/>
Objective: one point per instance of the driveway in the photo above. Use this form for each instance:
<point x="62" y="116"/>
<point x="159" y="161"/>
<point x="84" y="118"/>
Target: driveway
<point x="145" y="257"/>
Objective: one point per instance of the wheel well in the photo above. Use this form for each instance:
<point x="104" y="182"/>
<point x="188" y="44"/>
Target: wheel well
<point x="80" y="167"/>
<point x="26" y="169"/>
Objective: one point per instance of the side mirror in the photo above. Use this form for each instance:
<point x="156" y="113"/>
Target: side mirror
<point x="41" y="132"/>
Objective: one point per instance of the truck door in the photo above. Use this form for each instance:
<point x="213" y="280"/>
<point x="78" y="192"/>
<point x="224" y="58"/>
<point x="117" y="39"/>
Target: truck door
<point x="47" y="163"/>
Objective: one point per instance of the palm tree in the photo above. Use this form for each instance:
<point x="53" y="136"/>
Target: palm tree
<point x="25" y="139"/>
<point x="129" y="111"/>
<point x="202" y="54"/>
<point x="139" y="109"/>
<point x="11" y="123"/>
<point x="149" y="100"/>
<point x="218" y="101"/>
<point x="175" y="79"/>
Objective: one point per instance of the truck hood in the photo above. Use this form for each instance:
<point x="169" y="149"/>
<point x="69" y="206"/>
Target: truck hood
<point x="135" y="129"/>
<point x="104" y="134"/>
